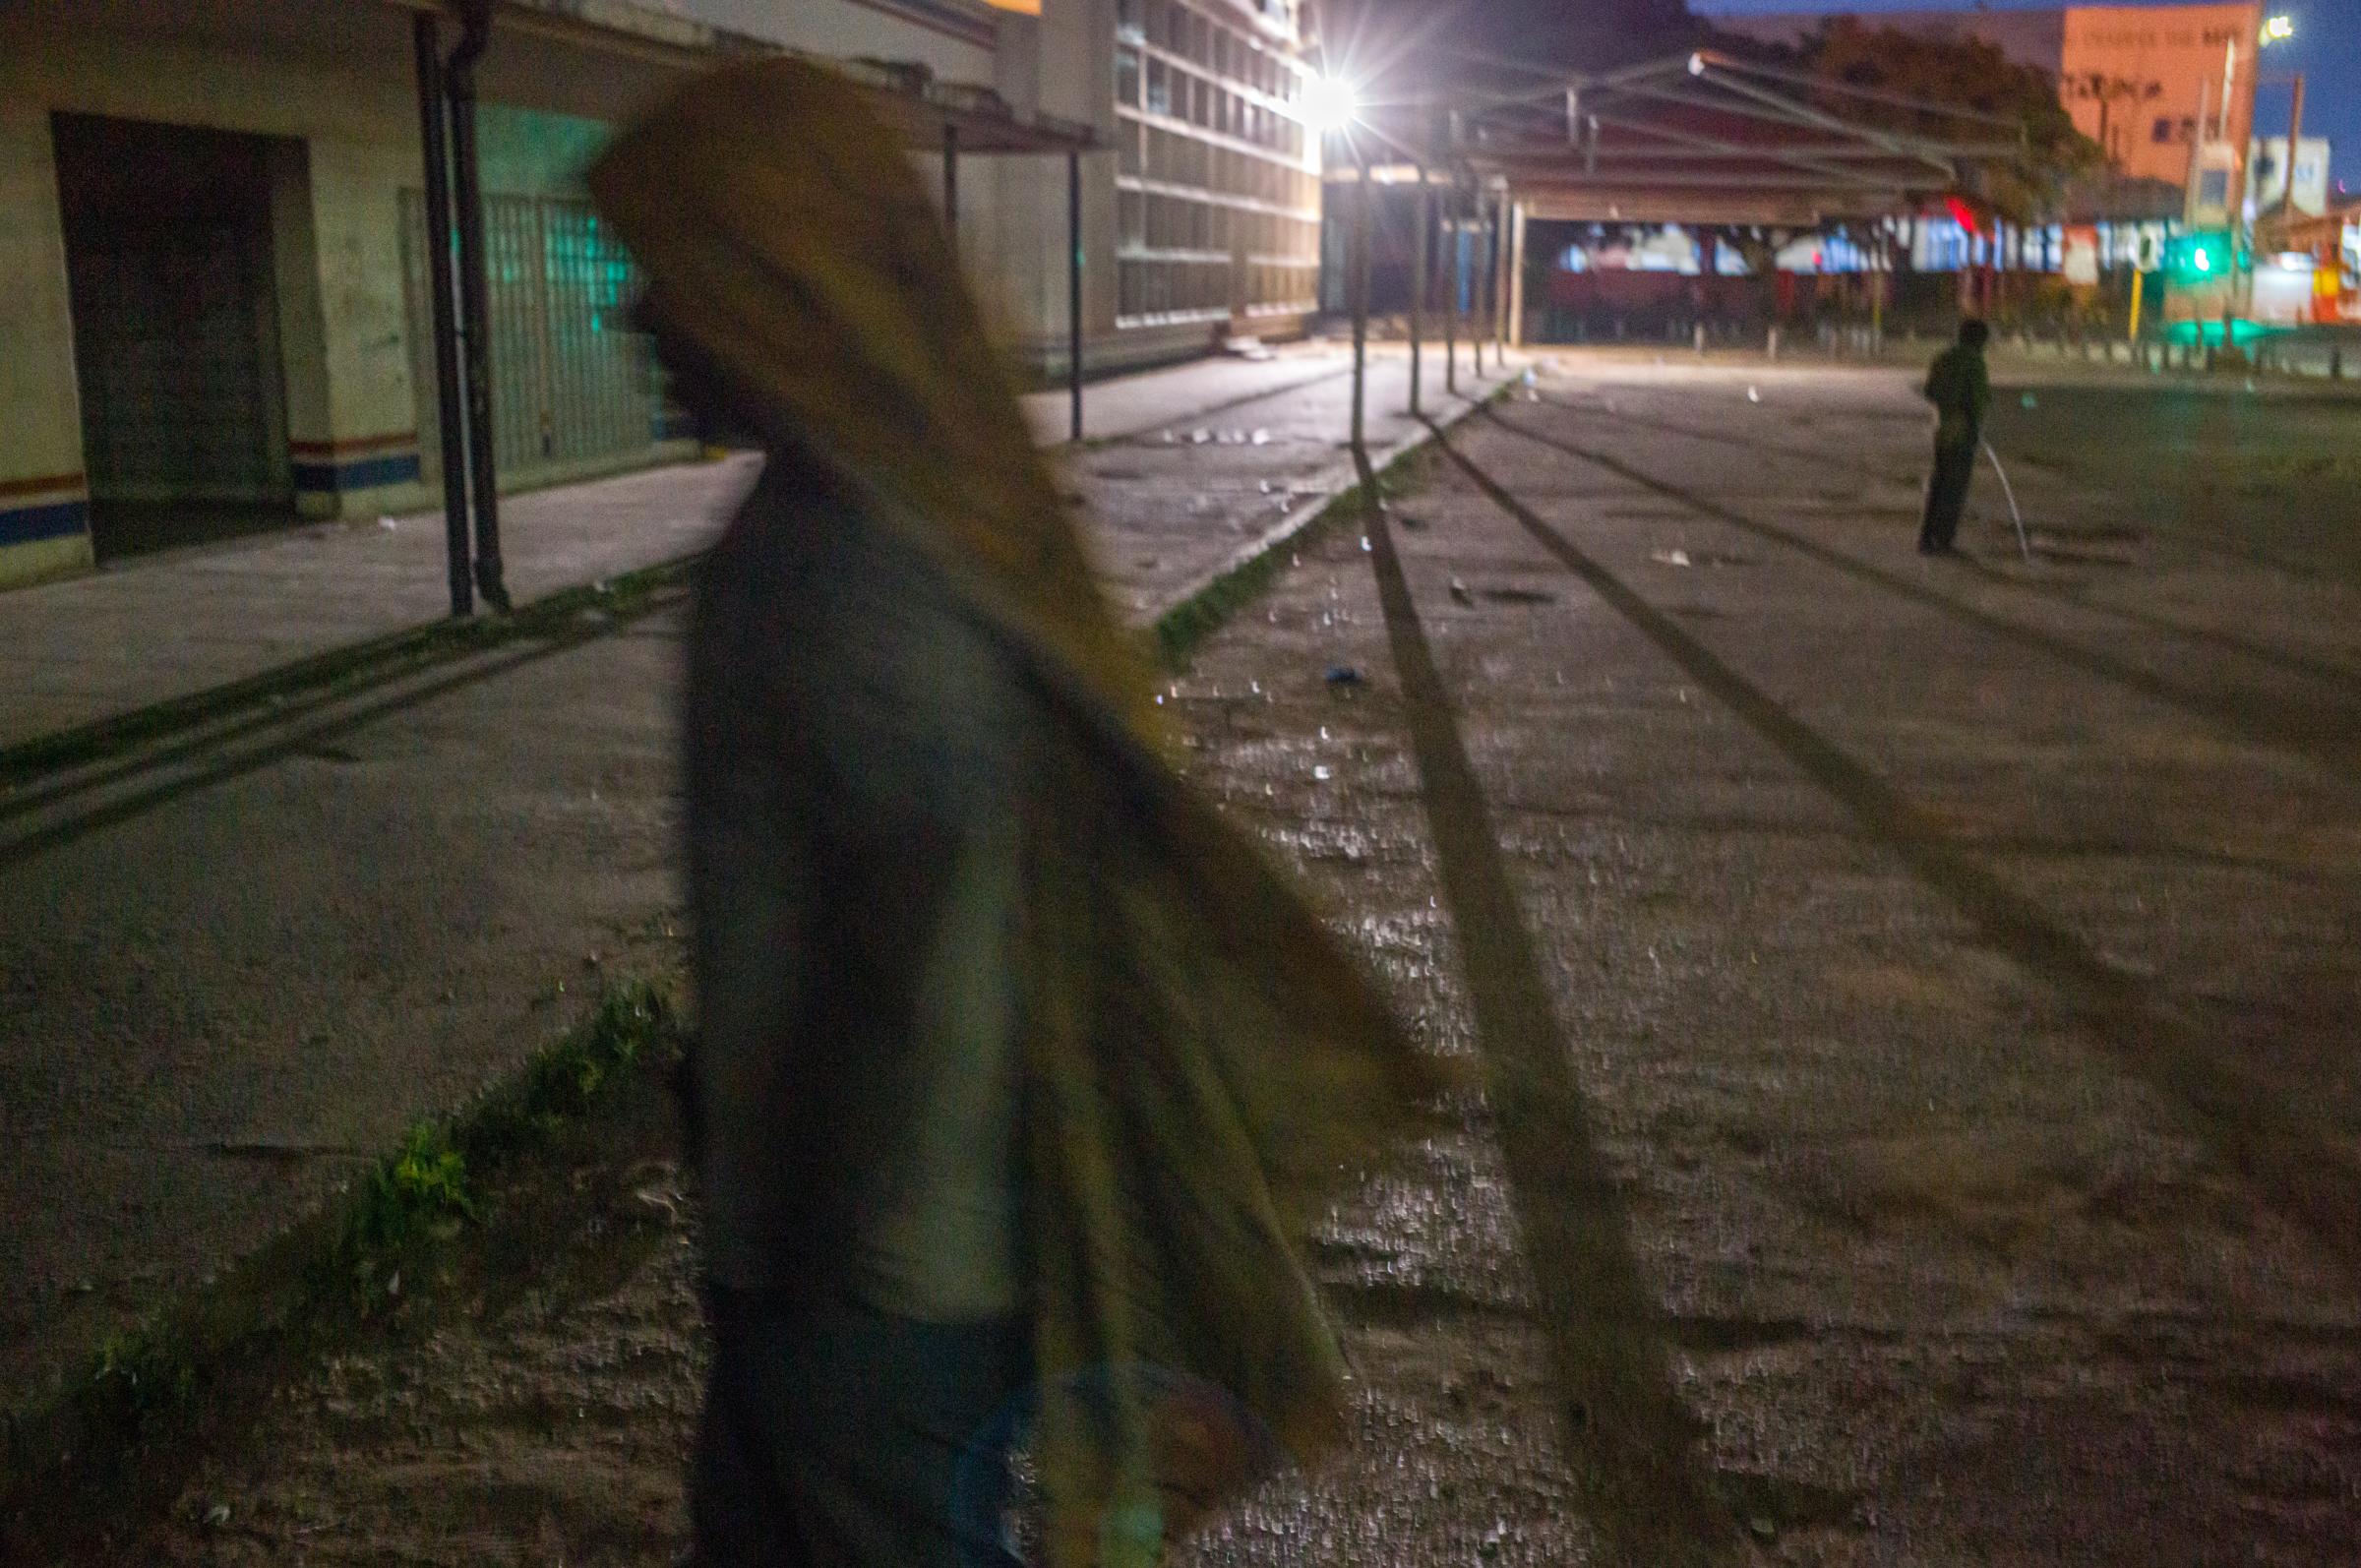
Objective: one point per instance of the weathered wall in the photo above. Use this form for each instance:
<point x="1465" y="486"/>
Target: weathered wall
<point x="43" y="510"/>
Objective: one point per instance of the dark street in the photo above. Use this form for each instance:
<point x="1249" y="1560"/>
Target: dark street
<point x="1913" y="1001"/>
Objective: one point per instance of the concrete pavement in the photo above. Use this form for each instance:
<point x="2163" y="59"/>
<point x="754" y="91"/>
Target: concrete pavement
<point x="1946" y="979"/>
<point x="241" y="958"/>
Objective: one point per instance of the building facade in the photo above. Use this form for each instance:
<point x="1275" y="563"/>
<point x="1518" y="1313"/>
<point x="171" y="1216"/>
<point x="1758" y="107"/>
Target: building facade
<point x="214" y="256"/>
<point x="1217" y="175"/>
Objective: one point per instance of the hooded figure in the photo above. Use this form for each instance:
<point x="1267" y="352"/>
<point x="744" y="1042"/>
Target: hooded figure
<point x="1018" y="1073"/>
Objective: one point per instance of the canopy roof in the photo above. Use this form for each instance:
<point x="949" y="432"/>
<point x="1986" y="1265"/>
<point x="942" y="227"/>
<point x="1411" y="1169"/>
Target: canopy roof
<point x="1699" y="138"/>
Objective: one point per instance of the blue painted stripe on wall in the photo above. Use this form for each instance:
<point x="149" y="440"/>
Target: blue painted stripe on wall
<point x="52" y="519"/>
<point x="362" y="473"/>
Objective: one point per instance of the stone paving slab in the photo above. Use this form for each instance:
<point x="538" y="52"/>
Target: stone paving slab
<point x="81" y="650"/>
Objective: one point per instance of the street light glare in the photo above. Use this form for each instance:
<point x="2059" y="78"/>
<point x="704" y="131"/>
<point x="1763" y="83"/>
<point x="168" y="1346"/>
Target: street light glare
<point x="1329" y="104"/>
<point x="2278" y="28"/>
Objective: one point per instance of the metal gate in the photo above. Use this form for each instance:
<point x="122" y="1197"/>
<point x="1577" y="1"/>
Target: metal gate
<point x="570" y="382"/>
<point x="174" y="311"/>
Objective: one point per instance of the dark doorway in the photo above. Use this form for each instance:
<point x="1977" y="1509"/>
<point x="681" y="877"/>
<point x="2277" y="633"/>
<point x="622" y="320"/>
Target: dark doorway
<point x="168" y="258"/>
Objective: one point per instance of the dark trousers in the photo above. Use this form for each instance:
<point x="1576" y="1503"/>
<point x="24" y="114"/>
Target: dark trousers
<point x="1947" y="496"/>
<point x="838" y="1436"/>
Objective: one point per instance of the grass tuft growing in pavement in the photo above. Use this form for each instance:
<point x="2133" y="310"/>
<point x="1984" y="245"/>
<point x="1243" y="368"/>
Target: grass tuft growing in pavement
<point x="345" y="1266"/>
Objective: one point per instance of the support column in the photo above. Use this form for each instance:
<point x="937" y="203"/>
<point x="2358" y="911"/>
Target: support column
<point x="475" y="304"/>
<point x="444" y="322"/>
<point x="1422" y="239"/>
<point x="1451" y="277"/>
<point x="1073" y="288"/>
<point x="1357" y="284"/>
<point x="1516" y="276"/>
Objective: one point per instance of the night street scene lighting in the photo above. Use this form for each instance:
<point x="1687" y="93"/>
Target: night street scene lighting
<point x="1217" y="783"/>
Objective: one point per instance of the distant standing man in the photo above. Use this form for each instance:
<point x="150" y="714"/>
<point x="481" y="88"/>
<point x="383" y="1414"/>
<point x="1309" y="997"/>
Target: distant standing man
<point x="1960" y="389"/>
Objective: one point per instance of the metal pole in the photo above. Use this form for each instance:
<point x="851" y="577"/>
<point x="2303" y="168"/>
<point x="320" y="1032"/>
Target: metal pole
<point x="1357" y="284"/>
<point x="2295" y="135"/>
<point x="950" y="182"/>
<point x="1504" y="284"/>
<point x="1516" y="276"/>
<point x="1424" y="227"/>
<point x="1074" y="288"/>
<point x="475" y="303"/>
<point x="1451" y="304"/>
<point x="453" y="430"/>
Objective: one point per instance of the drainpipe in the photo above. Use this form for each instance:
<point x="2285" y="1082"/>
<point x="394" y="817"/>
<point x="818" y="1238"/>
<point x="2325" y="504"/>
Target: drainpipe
<point x="431" y="110"/>
<point x="475" y="304"/>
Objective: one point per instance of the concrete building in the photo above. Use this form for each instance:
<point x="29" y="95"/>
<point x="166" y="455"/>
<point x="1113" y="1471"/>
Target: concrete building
<point x="2267" y="175"/>
<point x="213" y="257"/>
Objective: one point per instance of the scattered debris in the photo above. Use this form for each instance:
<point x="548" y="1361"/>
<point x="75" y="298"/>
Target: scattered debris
<point x="1364" y="544"/>
<point x="1670" y="558"/>
<point x="387" y="523"/>
<point x="1323" y="773"/>
<point x="1753" y="395"/>
<point x="2029" y="400"/>
<point x="1340" y="675"/>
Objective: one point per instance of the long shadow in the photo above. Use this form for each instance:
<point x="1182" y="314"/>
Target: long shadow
<point x="2254" y="718"/>
<point x="2297" y="1162"/>
<point x="111" y="814"/>
<point x="1640" y="1476"/>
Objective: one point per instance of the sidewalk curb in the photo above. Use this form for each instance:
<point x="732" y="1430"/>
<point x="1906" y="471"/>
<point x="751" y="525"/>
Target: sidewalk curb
<point x="27" y="760"/>
<point x="1206" y="603"/>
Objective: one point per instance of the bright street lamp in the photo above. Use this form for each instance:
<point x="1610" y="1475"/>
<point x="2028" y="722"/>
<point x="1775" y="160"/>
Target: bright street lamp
<point x="1329" y="104"/>
<point x="2277" y="29"/>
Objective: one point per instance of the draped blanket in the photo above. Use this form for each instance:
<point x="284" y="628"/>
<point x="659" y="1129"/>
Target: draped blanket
<point x="1202" y="1064"/>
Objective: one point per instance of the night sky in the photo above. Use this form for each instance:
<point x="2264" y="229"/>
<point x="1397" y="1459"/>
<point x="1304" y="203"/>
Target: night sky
<point x="2325" y="48"/>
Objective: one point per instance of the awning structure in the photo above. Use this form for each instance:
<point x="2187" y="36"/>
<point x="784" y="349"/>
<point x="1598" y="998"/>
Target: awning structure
<point x="538" y="49"/>
<point x="1703" y="138"/>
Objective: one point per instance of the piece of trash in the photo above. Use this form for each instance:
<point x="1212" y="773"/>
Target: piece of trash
<point x="2029" y="400"/>
<point x="1670" y="558"/>
<point x="2250" y="383"/>
<point x="1529" y="377"/>
<point x="393" y="1282"/>
<point x="1261" y="437"/>
<point x="1459" y="591"/>
<point x="1322" y="773"/>
<point x="1254" y="687"/>
<point x="1266" y="487"/>
<point x="218" y="1515"/>
<point x="1763" y="1526"/>
<point x="1753" y="396"/>
<point x="1364" y="544"/>
<point x="1340" y="675"/>
<point x="387" y="523"/>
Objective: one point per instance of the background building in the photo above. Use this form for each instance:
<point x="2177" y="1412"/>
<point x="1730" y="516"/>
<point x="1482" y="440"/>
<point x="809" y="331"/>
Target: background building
<point x="2150" y="85"/>
<point x="213" y="258"/>
<point x="2267" y="175"/>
